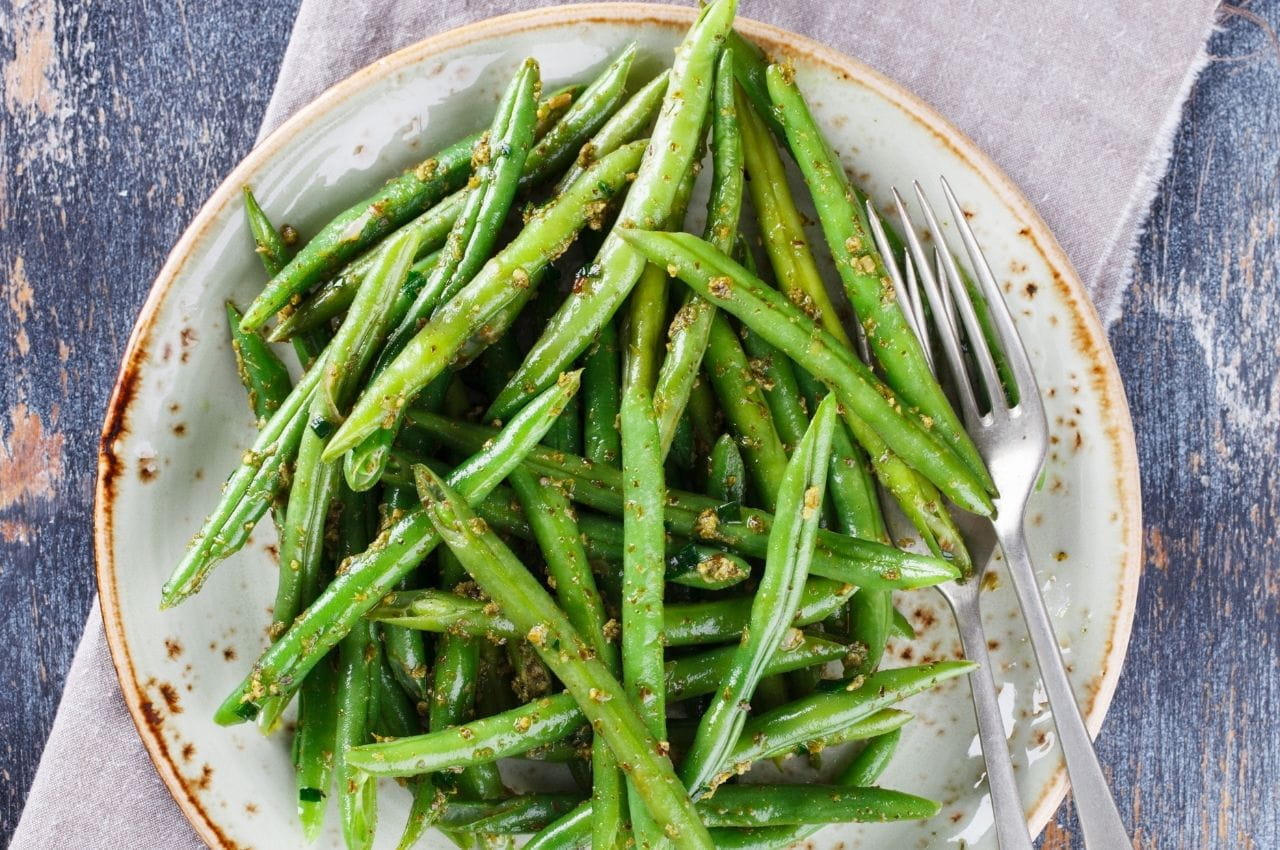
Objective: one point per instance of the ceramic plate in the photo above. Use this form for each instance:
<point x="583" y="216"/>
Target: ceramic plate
<point x="178" y="422"/>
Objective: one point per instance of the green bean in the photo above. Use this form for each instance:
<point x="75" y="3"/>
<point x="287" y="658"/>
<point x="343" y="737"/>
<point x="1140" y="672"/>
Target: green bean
<point x="788" y="329"/>
<point x="827" y="712"/>
<point x="785" y="805"/>
<point x="366" y="577"/>
<point x="643" y="490"/>
<point x="862" y="272"/>
<point x="900" y="627"/>
<point x="523" y="813"/>
<point x="500" y="282"/>
<point x="359" y="337"/>
<point x="357" y="799"/>
<point x="251" y="487"/>
<point x="554" y="718"/>
<point x="566" y="434"/>
<point x="777" y="378"/>
<point x="706" y="568"/>
<point x="428" y="806"/>
<point x="554" y="106"/>
<point x="755" y="810"/>
<point x="839" y="557"/>
<point x="499" y="157"/>
<point x="264" y="376"/>
<point x="601" y="376"/>
<point x="749" y="64"/>
<point x="588" y="114"/>
<point x="599" y="695"/>
<point x="313" y="746"/>
<point x="865" y="768"/>
<point x="880" y="723"/>
<point x="673" y="147"/>
<point x="268" y="243"/>
<point x="627" y="124"/>
<point x="744" y="406"/>
<point x="334" y="296"/>
<point x="684" y="623"/>
<point x="408" y="661"/>
<point x="397" y="716"/>
<point x="273" y="249"/>
<point x="453" y="688"/>
<point x="362" y="224"/>
<point x="302" y="538"/>
<point x="691" y="327"/>
<point x="800" y="495"/>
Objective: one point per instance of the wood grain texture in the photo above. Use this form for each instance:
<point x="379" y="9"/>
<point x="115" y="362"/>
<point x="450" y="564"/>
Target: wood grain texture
<point x="120" y="118"/>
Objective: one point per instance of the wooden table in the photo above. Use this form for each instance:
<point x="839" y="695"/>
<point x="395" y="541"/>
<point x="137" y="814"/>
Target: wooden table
<point x="120" y="118"/>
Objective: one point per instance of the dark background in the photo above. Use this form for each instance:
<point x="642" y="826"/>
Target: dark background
<point x="121" y="117"/>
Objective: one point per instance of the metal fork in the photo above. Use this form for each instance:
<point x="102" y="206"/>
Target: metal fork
<point x="1013" y="440"/>
<point x="962" y="597"/>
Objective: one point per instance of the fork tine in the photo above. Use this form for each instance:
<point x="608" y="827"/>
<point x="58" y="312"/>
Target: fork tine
<point x="895" y="273"/>
<point x="942" y="316"/>
<point x="917" y="310"/>
<point x="1019" y="362"/>
<point x="973" y="329"/>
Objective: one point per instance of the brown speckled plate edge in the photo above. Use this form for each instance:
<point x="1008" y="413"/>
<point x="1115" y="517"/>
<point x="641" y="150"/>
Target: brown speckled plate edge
<point x="1090" y="334"/>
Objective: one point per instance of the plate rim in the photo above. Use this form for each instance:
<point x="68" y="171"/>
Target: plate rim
<point x="1090" y="333"/>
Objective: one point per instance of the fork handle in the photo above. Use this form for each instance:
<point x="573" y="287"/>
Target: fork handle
<point x="1006" y="804"/>
<point x="1095" y="807"/>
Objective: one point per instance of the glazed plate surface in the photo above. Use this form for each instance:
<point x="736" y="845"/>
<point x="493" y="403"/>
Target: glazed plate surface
<point x="178" y="422"/>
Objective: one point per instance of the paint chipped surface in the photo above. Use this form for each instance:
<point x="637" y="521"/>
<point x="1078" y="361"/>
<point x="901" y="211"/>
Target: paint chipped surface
<point x="30" y="459"/>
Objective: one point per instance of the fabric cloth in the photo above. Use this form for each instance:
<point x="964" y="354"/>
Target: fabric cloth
<point x="1077" y="101"/>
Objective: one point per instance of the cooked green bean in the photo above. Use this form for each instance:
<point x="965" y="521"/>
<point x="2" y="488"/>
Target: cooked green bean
<point x="589" y="112"/>
<point x="743" y="404"/>
<point x="684" y="623"/>
<point x="499" y="158"/>
<point x="544" y="237"/>
<point x="838" y="557"/>
<point x="706" y="567"/>
<point x="598" y="694"/>
<point x="691" y="327"/>
<point x="628" y="123"/>
<point x="313" y="746"/>
<point x="727" y="477"/>
<point x="787" y="328"/>
<point x="673" y="146"/>
<point x="601" y="377"/>
<point x="453" y="689"/>
<point x="365" y="578"/>
<point x="332" y="298"/>
<point x="264" y="376"/>
<point x="554" y="718"/>
<point x="362" y="224"/>
<point x="359" y="338"/>
<point x="791" y="541"/>
<point x="357" y="654"/>
<point x="827" y="712"/>
<point x="862" y="271"/>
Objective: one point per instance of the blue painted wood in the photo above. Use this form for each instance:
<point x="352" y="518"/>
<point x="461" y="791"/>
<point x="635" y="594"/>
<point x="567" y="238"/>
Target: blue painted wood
<point x="120" y="119"/>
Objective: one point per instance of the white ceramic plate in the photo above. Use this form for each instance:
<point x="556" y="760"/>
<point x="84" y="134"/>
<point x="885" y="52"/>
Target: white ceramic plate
<point x="178" y="422"/>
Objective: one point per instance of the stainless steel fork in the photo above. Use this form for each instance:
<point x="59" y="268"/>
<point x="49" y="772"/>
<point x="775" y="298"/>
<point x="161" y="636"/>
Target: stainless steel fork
<point x="962" y="597"/>
<point x="1013" y="440"/>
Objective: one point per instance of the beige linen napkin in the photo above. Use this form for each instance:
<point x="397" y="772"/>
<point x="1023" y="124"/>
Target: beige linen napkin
<point x="1076" y="100"/>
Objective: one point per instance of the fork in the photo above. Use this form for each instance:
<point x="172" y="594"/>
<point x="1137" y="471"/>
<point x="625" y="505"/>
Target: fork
<point x="1013" y="441"/>
<point x="962" y="597"/>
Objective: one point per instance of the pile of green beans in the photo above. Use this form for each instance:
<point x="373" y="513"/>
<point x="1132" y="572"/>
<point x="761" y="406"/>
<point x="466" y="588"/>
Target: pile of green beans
<point x="609" y="501"/>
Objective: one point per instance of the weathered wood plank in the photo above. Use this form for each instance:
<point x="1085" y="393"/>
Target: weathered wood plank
<point x="121" y="118"/>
